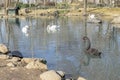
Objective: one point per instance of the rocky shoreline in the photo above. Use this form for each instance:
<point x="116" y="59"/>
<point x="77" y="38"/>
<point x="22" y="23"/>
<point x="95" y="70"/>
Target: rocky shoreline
<point x="13" y="67"/>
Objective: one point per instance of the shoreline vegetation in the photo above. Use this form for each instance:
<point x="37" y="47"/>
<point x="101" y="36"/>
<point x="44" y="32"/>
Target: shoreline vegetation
<point x="109" y="13"/>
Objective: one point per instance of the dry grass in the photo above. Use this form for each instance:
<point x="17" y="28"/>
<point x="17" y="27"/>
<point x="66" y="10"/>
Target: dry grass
<point x="106" y="11"/>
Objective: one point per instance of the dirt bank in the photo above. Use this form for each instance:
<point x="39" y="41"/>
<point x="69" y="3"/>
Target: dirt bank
<point x="104" y="12"/>
<point x="18" y="72"/>
<point x="78" y="12"/>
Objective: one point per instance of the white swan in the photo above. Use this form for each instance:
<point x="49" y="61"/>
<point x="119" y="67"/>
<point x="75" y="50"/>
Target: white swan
<point x="25" y="30"/>
<point x="94" y="19"/>
<point x="92" y="16"/>
<point x="53" y="28"/>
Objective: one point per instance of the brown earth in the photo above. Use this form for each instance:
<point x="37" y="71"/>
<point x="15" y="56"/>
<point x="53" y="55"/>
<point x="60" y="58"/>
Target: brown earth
<point x="18" y="73"/>
<point x="79" y="11"/>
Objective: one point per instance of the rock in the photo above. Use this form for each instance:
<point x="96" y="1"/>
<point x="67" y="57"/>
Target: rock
<point x="116" y="20"/>
<point x="50" y="75"/>
<point x="21" y="64"/>
<point x="14" y="68"/>
<point x="28" y="60"/>
<point x="3" y="49"/>
<point x="15" y="59"/>
<point x="36" y="64"/>
<point x="11" y="64"/>
<point x="81" y="78"/>
<point x="4" y="57"/>
<point x="61" y="73"/>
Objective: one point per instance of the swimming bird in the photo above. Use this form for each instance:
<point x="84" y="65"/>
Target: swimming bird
<point x="92" y="16"/>
<point x="25" y="30"/>
<point x="90" y="50"/>
<point x="94" y="19"/>
<point x="53" y="28"/>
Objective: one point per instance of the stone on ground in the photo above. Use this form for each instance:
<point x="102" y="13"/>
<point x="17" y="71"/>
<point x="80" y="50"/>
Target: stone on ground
<point x="50" y="75"/>
<point x="36" y="64"/>
<point x="3" y="49"/>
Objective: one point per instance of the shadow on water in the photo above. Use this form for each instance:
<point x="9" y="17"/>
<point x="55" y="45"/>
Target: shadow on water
<point x="65" y="49"/>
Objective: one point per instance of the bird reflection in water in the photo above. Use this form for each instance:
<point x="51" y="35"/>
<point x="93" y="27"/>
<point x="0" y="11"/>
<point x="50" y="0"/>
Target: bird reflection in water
<point x="25" y="30"/>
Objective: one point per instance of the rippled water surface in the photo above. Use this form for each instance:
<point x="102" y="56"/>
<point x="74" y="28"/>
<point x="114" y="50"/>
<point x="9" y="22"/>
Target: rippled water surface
<point x="64" y="49"/>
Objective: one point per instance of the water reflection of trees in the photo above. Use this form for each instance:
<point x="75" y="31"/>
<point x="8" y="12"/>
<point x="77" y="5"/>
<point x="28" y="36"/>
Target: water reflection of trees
<point x="104" y="37"/>
<point x="8" y="34"/>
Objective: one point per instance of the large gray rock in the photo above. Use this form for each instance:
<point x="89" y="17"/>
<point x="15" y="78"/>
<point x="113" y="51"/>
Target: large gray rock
<point x="36" y="64"/>
<point x="50" y="75"/>
<point x="3" y="49"/>
<point x="116" y="20"/>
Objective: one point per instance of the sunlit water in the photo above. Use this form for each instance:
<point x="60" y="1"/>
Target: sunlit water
<point x="64" y="49"/>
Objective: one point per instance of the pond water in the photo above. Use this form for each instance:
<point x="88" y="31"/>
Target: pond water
<point x="64" y="49"/>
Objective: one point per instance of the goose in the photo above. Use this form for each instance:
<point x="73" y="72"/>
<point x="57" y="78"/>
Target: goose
<point x="25" y="30"/>
<point x="53" y="28"/>
<point x="89" y="50"/>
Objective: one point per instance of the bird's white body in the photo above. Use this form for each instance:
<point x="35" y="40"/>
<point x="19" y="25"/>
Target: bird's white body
<point x="52" y="28"/>
<point x="94" y="19"/>
<point x="25" y="30"/>
<point x="92" y="16"/>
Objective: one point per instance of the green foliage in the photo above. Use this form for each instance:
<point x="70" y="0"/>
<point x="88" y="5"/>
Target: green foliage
<point x="62" y="5"/>
<point x="63" y="11"/>
<point x="21" y="5"/>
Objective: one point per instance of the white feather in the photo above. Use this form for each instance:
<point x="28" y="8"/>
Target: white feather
<point x="53" y="28"/>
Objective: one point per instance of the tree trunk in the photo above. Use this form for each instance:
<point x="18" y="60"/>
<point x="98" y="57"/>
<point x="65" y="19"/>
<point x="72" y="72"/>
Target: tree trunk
<point x="85" y="7"/>
<point x="16" y="3"/>
<point x="6" y="6"/>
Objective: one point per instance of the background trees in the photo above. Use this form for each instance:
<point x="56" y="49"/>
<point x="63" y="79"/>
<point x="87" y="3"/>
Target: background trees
<point x="90" y="3"/>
